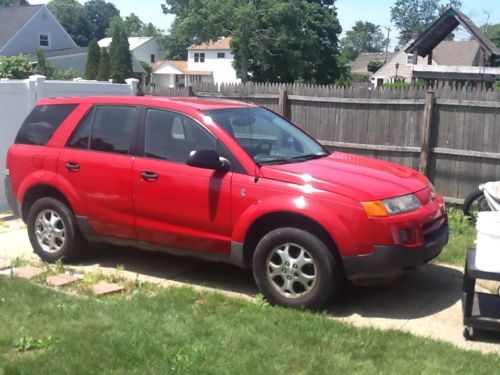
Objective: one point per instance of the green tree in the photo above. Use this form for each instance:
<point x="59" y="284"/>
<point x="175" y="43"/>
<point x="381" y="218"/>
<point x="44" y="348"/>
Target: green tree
<point x="120" y="56"/>
<point x="93" y="57"/>
<point x="414" y="16"/>
<point x="363" y="37"/>
<point x="8" y="3"/>
<point x="43" y="66"/>
<point x="100" y="14"/>
<point x="492" y="31"/>
<point x="375" y="65"/>
<point x="103" y="72"/>
<point x="15" y="67"/>
<point x="273" y="40"/>
<point x="73" y="17"/>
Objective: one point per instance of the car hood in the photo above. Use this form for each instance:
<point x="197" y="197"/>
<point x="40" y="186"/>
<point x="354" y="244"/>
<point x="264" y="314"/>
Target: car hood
<point x="358" y="177"/>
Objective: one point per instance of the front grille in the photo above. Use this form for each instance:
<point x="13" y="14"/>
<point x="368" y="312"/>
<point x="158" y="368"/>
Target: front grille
<point x="432" y="228"/>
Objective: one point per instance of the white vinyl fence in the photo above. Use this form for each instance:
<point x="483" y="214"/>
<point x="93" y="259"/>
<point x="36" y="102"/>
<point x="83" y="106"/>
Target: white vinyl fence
<point x="18" y="97"/>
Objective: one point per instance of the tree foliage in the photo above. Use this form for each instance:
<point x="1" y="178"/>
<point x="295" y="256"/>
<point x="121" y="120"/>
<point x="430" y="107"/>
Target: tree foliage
<point x="43" y="66"/>
<point x="363" y="37"/>
<point x="272" y="40"/>
<point x="120" y="56"/>
<point x="414" y="16"/>
<point x="15" y="67"/>
<point x="103" y="73"/>
<point x="100" y="13"/>
<point x="93" y="57"/>
<point x="375" y="65"/>
<point x="73" y="17"/>
<point x="8" y="3"/>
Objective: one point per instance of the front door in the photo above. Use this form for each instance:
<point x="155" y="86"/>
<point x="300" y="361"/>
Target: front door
<point x="175" y="204"/>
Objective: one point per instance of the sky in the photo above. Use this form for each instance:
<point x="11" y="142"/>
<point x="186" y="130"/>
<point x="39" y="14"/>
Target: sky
<point x="349" y="11"/>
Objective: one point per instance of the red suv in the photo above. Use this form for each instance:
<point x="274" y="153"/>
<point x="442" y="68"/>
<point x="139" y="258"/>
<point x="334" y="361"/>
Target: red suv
<point x="219" y="180"/>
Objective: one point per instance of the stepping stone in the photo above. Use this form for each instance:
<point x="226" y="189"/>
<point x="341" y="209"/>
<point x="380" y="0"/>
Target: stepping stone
<point x="4" y="265"/>
<point x="102" y="288"/>
<point x="29" y="272"/>
<point x="62" y="279"/>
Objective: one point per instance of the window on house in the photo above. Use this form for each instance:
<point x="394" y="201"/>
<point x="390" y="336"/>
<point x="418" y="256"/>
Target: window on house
<point x="153" y="58"/>
<point x="44" y="40"/>
<point x="409" y="59"/>
<point x="221" y="55"/>
<point x="199" y="57"/>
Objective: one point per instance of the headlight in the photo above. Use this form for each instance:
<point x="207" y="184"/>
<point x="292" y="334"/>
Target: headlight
<point x="393" y="206"/>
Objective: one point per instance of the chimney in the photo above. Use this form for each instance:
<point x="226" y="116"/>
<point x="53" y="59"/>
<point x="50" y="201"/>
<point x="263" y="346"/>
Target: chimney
<point x="16" y="3"/>
<point x="397" y="49"/>
<point x="415" y="36"/>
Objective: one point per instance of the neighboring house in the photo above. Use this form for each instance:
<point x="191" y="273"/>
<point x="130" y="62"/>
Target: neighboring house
<point x="360" y="64"/>
<point x="207" y="62"/>
<point x="440" y="59"/>
<point x="23" y="29"/>
<point x="142" y="48"/>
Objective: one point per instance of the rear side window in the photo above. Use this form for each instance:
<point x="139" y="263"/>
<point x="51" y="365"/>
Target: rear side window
<point x="42" y="123"/>
<point x="107" y="128"/>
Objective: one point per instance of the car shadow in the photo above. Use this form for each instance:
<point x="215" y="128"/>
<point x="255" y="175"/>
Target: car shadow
<point x="417" y="293"/>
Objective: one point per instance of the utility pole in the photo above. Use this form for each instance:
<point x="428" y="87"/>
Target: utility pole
<point x="387" y="42"/>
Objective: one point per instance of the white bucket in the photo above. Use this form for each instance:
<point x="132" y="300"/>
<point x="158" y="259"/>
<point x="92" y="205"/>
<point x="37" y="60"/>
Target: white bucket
<point x="488" y="241"/>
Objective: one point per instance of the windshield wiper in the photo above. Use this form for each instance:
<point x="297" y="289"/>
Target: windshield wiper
<point x="274" y="161"/>
<point x="309" y="157"/>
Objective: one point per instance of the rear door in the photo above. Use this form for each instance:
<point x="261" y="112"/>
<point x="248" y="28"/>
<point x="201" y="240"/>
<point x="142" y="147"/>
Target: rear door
<point x="176" y="204"/>
<point x="98" y="164"/>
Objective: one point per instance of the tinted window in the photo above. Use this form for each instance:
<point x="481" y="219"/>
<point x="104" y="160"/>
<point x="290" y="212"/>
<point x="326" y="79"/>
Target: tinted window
<point x="80" y="138"/>
<point x="171" y="136"/>
<point x="42" y="123"/>
<point x="112" y="130"/>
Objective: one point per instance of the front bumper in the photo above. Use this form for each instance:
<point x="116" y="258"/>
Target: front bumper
<point x="11" y="199"/>
<point x="389" y="260"/>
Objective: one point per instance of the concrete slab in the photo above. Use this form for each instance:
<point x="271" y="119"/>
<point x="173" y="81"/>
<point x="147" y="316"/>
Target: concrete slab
<point x="29" y="272"/>
<point x="62" y="279"/>
<point x="104" y="288"/>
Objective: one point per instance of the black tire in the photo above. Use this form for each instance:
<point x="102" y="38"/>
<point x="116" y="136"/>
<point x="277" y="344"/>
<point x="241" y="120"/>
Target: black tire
<point x="468" y="333"/>
<point x="327" y="272"/>
<point x="72" y="245"/>
<point x="473" y="203"/>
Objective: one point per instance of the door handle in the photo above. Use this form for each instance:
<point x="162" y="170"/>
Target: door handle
<point x="70" y="166"/>
<point x="149" y="176"/>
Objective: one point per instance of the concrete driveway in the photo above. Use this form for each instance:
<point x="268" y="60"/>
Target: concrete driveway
<point x="424" y="302"/>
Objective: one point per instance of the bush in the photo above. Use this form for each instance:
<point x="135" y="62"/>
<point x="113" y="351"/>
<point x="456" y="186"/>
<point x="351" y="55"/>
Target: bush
<point x="375" y="65"/>
<point x="65" y="75"/>
<point x="355" y="77"/>
<point x="15" y="67"/>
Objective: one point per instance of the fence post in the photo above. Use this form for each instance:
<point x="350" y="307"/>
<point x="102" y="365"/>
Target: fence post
<point x="425" y="134"/>
<point x="190" y="91"/>
<point x="283" y="103"/>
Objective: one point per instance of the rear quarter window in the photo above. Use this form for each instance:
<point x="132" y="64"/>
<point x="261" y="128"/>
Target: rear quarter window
<point x="42" y="123"/>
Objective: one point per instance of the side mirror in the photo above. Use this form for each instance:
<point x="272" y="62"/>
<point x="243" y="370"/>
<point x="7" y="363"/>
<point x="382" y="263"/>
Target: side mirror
<point x="208" y="159"/>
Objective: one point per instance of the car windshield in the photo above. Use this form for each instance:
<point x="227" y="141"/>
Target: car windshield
<point x="266" y="137"/>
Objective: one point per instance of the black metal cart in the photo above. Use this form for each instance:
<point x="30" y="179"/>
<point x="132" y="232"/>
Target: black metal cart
<point x="481" y="310"/>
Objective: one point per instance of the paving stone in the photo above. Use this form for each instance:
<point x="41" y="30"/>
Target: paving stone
<point x="4" y="265"/>
<point x="29" y="272"/>
<point x="62" y="279"/>
<point x="102" y="288"/>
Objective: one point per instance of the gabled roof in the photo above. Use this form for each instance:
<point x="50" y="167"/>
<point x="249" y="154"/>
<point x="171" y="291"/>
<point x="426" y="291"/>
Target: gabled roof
<point x="13" y="18"/>
<point x="134" y="41"/>
<point x="179" y="67"/>
<point x="360" y="64"/>
<point x="223" y="43"/>
<point x="461" y="53"/>
<point x="442" y="27"/>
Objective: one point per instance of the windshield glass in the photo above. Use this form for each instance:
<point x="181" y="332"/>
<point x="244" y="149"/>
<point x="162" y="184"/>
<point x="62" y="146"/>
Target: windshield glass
<point x="266" y="137"/>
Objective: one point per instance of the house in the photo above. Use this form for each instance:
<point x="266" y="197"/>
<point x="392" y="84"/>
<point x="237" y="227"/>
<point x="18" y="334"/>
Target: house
<point x="144" y="49"/>
<point x="207" y="62"/>
<point x="360" y="64"/>
<point x="443" y="60"/>
<point x="24" y="28"/>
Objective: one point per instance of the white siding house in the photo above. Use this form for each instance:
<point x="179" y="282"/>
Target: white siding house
<point x="142" y="48"/>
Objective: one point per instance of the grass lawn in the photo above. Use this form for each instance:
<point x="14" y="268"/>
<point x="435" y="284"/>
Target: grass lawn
<point x="462" y="236"/>
<point x="183" y="331"/>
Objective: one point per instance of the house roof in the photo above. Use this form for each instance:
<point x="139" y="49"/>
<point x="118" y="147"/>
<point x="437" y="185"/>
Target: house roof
<point x="442" y="27"/>
<point x="360" y="64"/>
<point x="61" y="52"/>
<point x="221" y="43"/>
<point x="13" y="18"/>
<point x="461" y="53"/>
<point x="134" y="41"/>
<point x="162" y="67"/>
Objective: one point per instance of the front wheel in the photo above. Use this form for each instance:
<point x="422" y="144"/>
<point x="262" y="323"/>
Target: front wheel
<point x="53" y="232"/>
<point x="294" y="268"/>
<point x="474" y="203"/>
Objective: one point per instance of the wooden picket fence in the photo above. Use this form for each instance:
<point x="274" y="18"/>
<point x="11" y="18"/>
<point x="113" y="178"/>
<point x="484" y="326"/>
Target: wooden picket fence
<point x="451" y="135"/>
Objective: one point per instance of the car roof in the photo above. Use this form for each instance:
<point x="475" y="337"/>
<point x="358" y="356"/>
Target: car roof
<point x="187" y="102"/>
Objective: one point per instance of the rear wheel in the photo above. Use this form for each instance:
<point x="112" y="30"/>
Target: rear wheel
<point x="294" y="268"/>
<point x="53" y="232"/>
